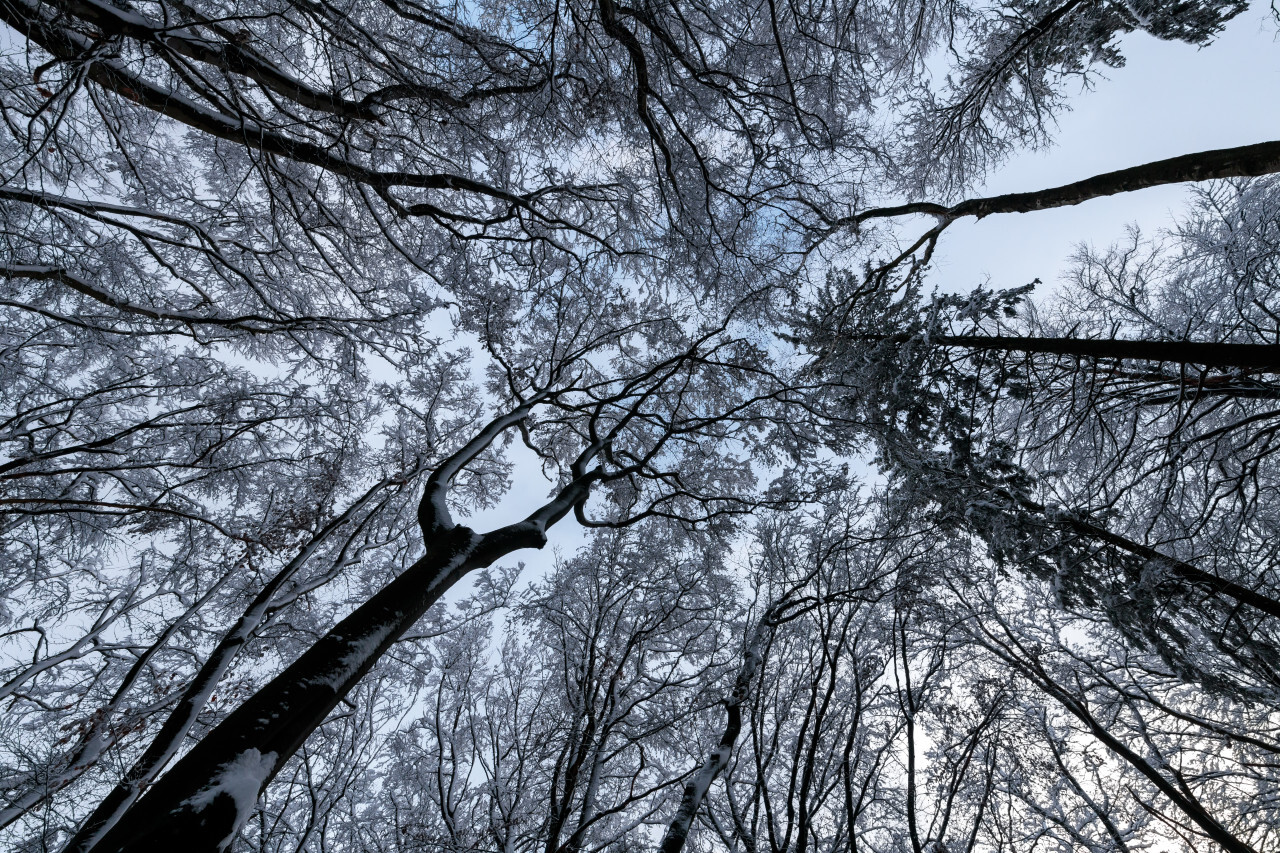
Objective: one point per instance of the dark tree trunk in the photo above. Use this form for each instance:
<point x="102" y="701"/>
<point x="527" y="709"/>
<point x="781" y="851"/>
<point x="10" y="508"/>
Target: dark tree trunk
<point x="199" y="805"/>
<point x="1178" y="568"/>
<point x="195" y="696"/>
<point x="1243" y="162"/>
<point x="1264" y="356"/>
<point x="1078" y="707"/>
<point x="1184" y="571"/>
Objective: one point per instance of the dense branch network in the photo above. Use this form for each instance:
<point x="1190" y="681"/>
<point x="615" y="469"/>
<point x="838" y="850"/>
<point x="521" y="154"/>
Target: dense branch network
<point x="295" y="297"/>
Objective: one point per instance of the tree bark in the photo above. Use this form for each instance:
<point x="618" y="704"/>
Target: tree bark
<point x="200" y="804"/>
<point x="1259" y="356"/>
<point x="1265" y="356"/>
<point x="1178" y="568"/>
<point x="695" y="791"/>
<point x="195" y="696"/>
<point x="1243" y="162"/>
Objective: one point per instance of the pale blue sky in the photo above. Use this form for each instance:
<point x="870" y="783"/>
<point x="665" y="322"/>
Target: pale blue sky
<point x="1171" y="98"/>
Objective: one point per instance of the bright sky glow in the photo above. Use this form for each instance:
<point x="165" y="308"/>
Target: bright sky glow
<point x="1171" y="98"/>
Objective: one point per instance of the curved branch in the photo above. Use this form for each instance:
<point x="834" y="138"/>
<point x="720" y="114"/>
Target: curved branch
<point x="247" y="322"/>
<point x="1244" y="162"/>
<point x="67" y="45"/>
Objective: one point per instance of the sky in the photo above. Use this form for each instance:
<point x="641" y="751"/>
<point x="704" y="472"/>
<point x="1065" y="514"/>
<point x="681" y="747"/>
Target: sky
<point x="1169" y="99"/>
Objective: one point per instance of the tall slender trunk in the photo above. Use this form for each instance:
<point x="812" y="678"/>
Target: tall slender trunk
<point x="1266" y="356"/>
<point x="1070" y="698"/>
<point x="1180" y="569"/>
<point x="1258" y="356"/>
<point x="695" y="790"/>
<point x="200" y="804"/>
<point x="205" y="798"/>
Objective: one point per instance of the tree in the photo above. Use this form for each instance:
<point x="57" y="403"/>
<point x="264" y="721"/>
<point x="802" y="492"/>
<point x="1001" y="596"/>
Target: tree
<point x="251" y="249"/>
<point x="1144" y="727"/>
<point x="567" y="742"/>
<point x="641" y="436"/>
<point x="1063" y="434"/>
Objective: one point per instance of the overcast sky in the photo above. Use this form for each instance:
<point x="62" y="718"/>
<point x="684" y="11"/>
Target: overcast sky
<point x="1171" y="98"/>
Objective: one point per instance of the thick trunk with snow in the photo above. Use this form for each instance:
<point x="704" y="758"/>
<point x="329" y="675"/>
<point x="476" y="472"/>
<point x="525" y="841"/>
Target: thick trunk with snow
<point x="202" y="802"/>
<point x="169" y="740"/>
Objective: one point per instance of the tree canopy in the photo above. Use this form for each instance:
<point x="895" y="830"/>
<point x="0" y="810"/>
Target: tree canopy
<point x="293" y="291"/>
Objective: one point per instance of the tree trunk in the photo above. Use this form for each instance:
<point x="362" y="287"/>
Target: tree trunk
<point x="1077" y="706"/>
<point x="695" y="791"/>
<point x="169" y="740"/>
<point x="1243" y="162"/>
<point x="1178" y="568"/>
<point x="201" y="803"/>
<point x="1181" y="570"/>
<point x="1264" y="356"/>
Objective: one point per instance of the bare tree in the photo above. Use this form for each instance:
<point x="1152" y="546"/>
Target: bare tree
<point x="281" y="285"/>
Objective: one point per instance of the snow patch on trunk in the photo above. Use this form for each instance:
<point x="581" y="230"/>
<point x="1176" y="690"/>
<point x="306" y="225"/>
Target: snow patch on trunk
<point x="360" y="652"/>
<point x="357" y="653"/>
<point x="241" y="780"/>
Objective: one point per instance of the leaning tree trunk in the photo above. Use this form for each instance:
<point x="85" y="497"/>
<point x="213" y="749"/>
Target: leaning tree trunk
<point x="1069" y="697"/>
<point x="695" y="790"/>
<point x="201" y="803"/>
<point x="1184" y="571"/>
<point x="195" y="696"/>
